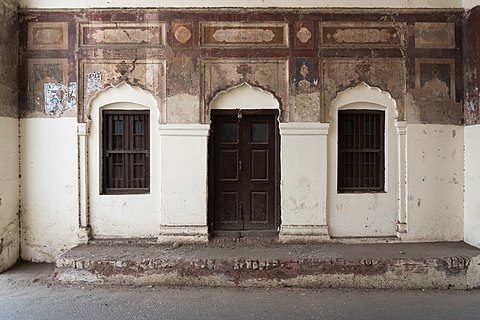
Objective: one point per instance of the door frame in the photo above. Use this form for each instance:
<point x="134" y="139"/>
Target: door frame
<point x="211" y="171"/>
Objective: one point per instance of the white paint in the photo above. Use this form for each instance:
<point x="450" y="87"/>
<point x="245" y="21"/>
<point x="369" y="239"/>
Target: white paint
<point x="9" y="192"/>
<point x="469" y="4"/>
<point x="472" y="185"/>
<point x="184" y="174"/>
<point x="364" y="214"/>
<point x="247" y="3"/>
<point x="49" y="187"/>
<point x="303" y="181"/>
<point x="183" y="234"/>
<point x="123" y="216"/>
<point x="244" y="96"/>
<point x="401" y="127"/>
<point x="435" y="182"/>
<point x="82" y="132"/>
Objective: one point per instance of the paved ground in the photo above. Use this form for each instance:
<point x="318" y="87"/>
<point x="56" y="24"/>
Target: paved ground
<point x="26" y="292"/>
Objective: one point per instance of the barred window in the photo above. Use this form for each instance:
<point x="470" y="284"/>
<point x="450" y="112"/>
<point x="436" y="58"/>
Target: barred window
<point x="361" y="154"/>
<point x="126" y="145"/>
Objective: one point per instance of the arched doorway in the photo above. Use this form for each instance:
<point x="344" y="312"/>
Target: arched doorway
<point x="244" y="162"/>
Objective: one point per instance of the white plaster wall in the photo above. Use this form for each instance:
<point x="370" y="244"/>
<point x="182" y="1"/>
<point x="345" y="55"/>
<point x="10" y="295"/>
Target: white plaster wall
<point x="468" y="4"/>
<point x="435" y="182"/>
<point x="472" y="185"/>
<point x="183" y="163"/>
<point x="247" y="3"/>
<point x="303" y="174"/>
<point x="244" y="97"/>
<point x="123" y="216"/>
<point x="364" y="214"/>
<point x="49" y="187"/>
<point x="9" y="192"/>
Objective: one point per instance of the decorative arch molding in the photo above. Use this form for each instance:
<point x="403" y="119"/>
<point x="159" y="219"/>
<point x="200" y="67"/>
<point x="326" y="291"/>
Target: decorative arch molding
<point x="121" y="92"/>
<point x="267" y="74"/>
<point x="363" y="93"/>
<point x="365" y="97"/>
<point x="100" y="76"/>
<point x="244" y="96"/>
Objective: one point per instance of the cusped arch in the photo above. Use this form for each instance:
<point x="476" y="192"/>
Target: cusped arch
<point x="244" y="96"/>
<point x="361" y="95"/>
<point x="121" y="93"/>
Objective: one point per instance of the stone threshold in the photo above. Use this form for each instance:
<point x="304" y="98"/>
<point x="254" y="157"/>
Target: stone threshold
<point x="442" y="265"/>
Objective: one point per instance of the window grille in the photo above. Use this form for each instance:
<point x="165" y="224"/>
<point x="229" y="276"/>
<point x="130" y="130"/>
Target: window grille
<point x="361" y="165"/>
<point x="126" y="144"/>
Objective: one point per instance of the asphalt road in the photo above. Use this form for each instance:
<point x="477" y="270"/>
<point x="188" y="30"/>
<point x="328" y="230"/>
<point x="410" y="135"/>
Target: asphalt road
<point x="27" y="294"/>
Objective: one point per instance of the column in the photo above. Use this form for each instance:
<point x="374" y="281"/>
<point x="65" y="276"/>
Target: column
<point x="84" y="227"/>
<point x="184" y="194"/>
<point x="303" y="181"/>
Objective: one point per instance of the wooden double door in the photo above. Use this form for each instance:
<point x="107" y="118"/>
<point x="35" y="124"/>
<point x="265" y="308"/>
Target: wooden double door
<point x="244" y="175"/>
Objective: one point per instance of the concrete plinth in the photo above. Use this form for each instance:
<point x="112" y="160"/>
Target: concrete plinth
<point x="399" y="266"/>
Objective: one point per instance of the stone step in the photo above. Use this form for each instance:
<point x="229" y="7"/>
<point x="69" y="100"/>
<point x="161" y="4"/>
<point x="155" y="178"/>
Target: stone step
<point x="401" y="266"/>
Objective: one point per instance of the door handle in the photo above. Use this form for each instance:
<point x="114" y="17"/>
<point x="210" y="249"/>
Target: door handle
<point x="240" y="165"/>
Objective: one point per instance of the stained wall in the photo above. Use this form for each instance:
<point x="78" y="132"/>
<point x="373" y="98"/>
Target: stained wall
<point x="252" y="3"/>
<point x="48" y="144"/>
<point x="185" y="57"/>
<point x="472" y="128"/>
<point x="9" y="141"/>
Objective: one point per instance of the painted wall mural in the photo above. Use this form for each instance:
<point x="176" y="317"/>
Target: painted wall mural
<point x="362" y="34"/>
<point x="122" y="34"/>
<point x="234" y="34"/>
<point x="437" y="76"/>
<point x="440" y="35"/>
<point x="99" y="74"/>
<point x="303" y="57"/>
<point x="48" y="89"/>
<point x="48" y="36"/>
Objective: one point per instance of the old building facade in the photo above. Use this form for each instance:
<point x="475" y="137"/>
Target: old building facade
<point x="181" y="124"/>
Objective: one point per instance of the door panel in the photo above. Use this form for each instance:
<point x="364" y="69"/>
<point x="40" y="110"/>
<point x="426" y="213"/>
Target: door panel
<point x="259" y="207"/>
<point x="228" y="201"/>
<point x="259" y="165"/>
<point x="228" y="165"/>
<point x="244" y="163"/>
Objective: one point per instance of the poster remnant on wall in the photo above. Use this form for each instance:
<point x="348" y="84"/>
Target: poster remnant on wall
<point x="94" y="81"/>
<point x="59" y="99"/>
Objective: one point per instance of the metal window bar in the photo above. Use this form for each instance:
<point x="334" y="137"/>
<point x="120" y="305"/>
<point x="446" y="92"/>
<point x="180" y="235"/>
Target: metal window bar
<point x="126" y="152"/>
<point x="361" y="151"/>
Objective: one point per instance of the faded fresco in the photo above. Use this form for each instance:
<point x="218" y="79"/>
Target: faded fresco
<point x="9" y="60"/>
<point x="268" y="74"/>
<point x="341" y="74"/>
<point x="304" y="58"/>
<point x="364" y="34"/>
<point x="101" y="74"/>
<point x="48" y="89"/>
<point x="472" y="70"/>
<point x="48" y="36"/>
